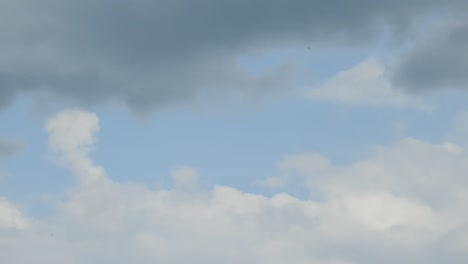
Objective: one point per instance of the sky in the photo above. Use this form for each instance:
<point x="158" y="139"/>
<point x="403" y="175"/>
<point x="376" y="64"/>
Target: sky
<point x="156" y="131"/>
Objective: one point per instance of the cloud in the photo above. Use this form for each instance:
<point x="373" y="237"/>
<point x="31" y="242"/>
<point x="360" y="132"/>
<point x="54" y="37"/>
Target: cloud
<point x="366" y="83"/>
<point x="437" y="61"/>
<point x="409" y="168"/>
<point x="403" y="204"/>
<point x="11" y="217"/>
<point x="411" y="191"/>
<point x="71" y="136"/>
<point x="150" y="54"/>
<point x="9" y="148"/>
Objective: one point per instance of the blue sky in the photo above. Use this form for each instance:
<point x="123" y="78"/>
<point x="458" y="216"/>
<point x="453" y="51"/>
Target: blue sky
<point x="283" y="137"/>
<point x="235" y="144"/>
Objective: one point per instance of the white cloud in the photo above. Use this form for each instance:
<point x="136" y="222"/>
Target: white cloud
<point x="367" y="83"/>
<point x="71" y="136"/>
<point x="410" y="167"/>
<point x="11" y="217"/>
<point x="398" y="206"/>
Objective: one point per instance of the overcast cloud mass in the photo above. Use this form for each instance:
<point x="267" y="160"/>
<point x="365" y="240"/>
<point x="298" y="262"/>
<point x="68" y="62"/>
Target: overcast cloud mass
<point x="438" y="61"/>
<point x="149" y="54"/>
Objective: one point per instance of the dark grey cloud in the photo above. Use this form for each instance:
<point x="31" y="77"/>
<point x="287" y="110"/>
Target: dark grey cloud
<point x="9" y="148"/>
<point x="151" y="53"/>
<point x="438" y="61"/>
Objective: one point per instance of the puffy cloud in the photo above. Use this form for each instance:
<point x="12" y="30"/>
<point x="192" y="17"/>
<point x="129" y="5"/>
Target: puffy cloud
<point x="409" y="168"/>
<point x="71" y="135"/>
<point x="411" y="193"/>
<point x="404" y="204"/>
<point x="367" y="83"/>
<point x="150" y="54"/>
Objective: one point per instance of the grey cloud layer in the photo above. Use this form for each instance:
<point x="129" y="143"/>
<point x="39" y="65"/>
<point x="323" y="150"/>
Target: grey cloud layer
<point x="437" y="61"/>
<point x="153" y="53"/>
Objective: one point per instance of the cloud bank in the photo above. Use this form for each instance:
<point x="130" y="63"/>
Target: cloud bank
<point x="150" y="54"/>
<point x="404" y="204"/>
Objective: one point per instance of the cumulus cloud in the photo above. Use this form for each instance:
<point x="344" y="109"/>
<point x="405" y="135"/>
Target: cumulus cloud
<point x="366" y="83"/>
<point x="409" y="168"/>
<point x="404" y="204"/>
<point x="150" y="54"/>
<point x="71" y="136"/>
<point x="411" y="191"/>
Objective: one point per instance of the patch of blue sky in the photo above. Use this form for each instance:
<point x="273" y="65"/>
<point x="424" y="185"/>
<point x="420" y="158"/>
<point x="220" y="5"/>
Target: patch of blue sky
<point x="32" y="184"/>
<point x="237" y="150"/>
